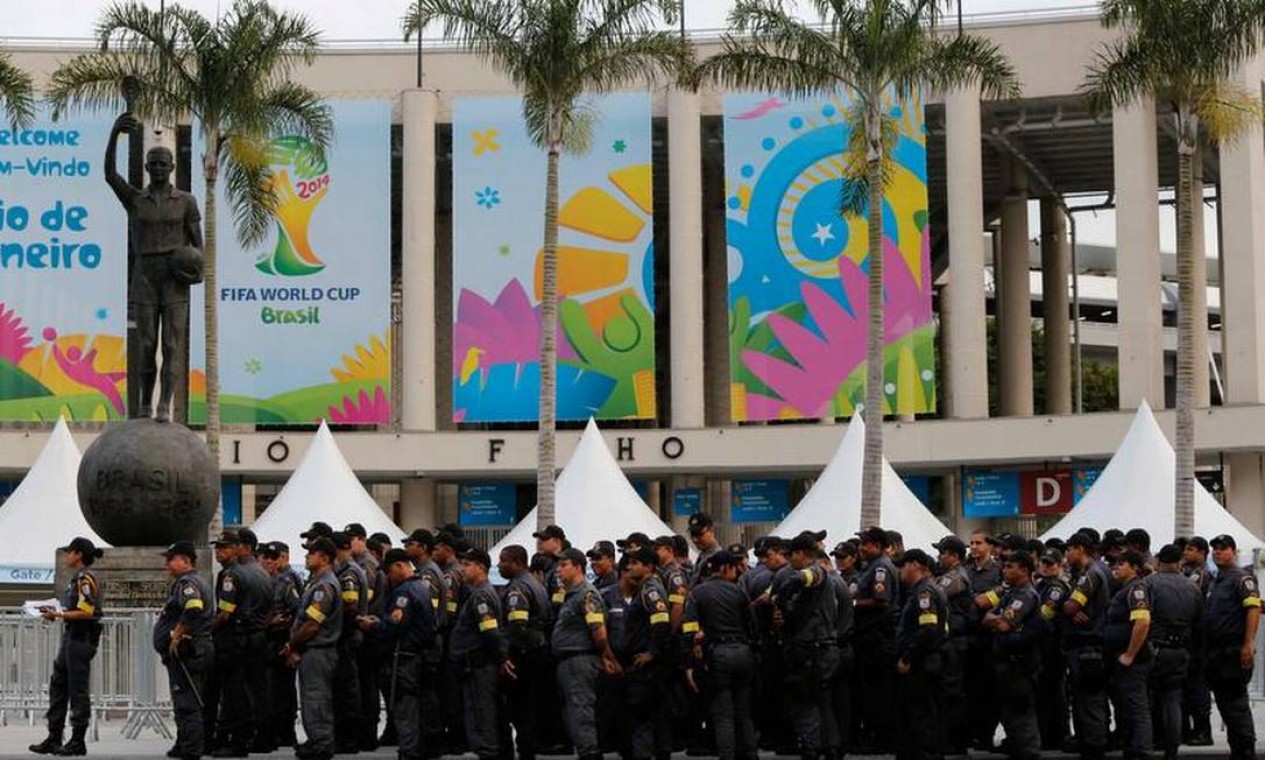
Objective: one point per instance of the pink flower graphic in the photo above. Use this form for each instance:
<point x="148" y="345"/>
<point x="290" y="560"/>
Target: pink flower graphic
<point x="363" y="410"/>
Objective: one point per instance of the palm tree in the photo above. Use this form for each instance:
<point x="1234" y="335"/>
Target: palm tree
<point x="1183" y="53"/>
<point x="231" y="75"/>
<point x="556" y="52"/>
<point x="876" y="52"/>
<point x="17" y="93"/>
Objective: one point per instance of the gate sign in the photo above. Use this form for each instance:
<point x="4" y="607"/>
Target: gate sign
<point x="1046" y="492"/>
<point x="483" y="504"/>
<point x="990" y="494"/>
<point x="758" y="501"/>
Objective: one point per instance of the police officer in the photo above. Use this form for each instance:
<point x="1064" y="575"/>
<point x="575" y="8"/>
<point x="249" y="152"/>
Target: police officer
<point x="375" y="588"/>
<point x="243" y="598"/>
<point x="479" y="651"/>
<point x="80" y="614"/>
<point x="602" y="562"/>
<point x="253" y="639"/>
<point x="875" y="641"/>
<point x="551" y="541"/>
<point x="703" y="535"/>
<point x="1232" y="613"/>
<point x="1014" y="626"/>
<point x="313" y="649"/>
<point x="614" y="722"/>
<point x="984" y="573"/>
<point x="846" y="560"/>
<point x="406" y="633"/>
<point x="419" y="546"/>
<point x="1175" y="608"/>
<point x="648" y="626"/>
<point x="1085" y="611"/>
<point x="354" y="593"/>
<point x="528" y="619"/>
<point x="287" y="587"/>
<point x="955" y="584"/>
<point x="845" y="626"/>
<point x="920" y="637"/>
<point x="717" y="628"/>
<point x="182" y="638"/>
<point x="580" y="648"/>
<point x="445" y="555"/>
<point x="1196" y="697"/>
<point x="772" y="723"/>
<point x="1129" y="654"/>
<point x="1053" y="588"/>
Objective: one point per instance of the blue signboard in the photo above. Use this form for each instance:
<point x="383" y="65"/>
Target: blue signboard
<point x="1085" y="479"/>
<point x="758" y="501"/>
<point x="231" y="498"/>
<point x="687" y="501"/>
<point x="990" y="494"/>
<point x="482" y="504"/>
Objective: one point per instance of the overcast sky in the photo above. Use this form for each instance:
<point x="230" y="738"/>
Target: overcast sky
<point x="373" y="19"/>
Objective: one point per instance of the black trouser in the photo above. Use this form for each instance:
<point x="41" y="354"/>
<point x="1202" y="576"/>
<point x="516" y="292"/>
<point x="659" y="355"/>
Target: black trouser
<point x="283" y="708"/>
<point x="1133" y="704"/>
<point x="68" y="686"/>
<point x="978" y="683"/>
<point x="239" y="673"/>
<point x="920" y="693"/>
<point x="841" y="699"/>
<point x="772" y="719"/>
<point x="186" y="677"/>
<point x="1172" y="664"/>
<point x="451" y="707"/>
<point x="957" y="731"/>
<point x="876" y="674"/>
<point x="1088" y="675"/>
<point x="316" y="690"/>
<point x="1196" y="697"/>
<point x="402" y="672"/>
<point x="731" y="676"/>
<point x="1228" y="680"/>
<point x="811" y="670"/>
<point x="1052" y="696"/>
<point x="480" y="704"/>
<point x="649" y="711"/>
<point x="347" y="717"/>
<point x="523" y="696"/>
<point x="1016" y="680"/>
<point x="370" y="704"/>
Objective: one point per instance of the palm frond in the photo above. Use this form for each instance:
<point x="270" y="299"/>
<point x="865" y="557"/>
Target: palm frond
<point x="610" y="64"/>
<point x="1120" y="74"/>
<point x="487" y="28"/>
<point x="17" y="93"/>
<point x="1227" y="111"/>
<point x="968" y="59"/>
<point x="248" y="186"/>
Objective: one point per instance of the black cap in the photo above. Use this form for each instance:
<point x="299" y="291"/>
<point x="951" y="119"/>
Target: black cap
<point x="1138" y="537"/>
<point x="844" y="549"/>
<point x="1112" y="533"/>
<point x="396" y="555"/>
<point x="1051" y="557"/>
<point x="637" y="539"/>
<point x="276" y="548"/>
<point x="894" y="537"/>
<point x="1169" y="554"/>
<point x="247" y="536"/>
<point x="643" y="555"/>
<point x="917" y="556"/>
<point x="450" y="539"/>
<point x="421" y="536"/>
<point x="873" y="534"/>
<point x="680" y="545"/>
<point x="1083" y="540"/>
<point x="950" y="545"/>
<point x="805" y="542"/>
<point x="723" y="558"/>
<point x="1093" y="535"/>
<point x="774" y="544"/>
<point x="318" y="530"/>
<point x="1023" y="559"/>
<point x="699" y="522"/>
<point x="551" y="531"/>
<point x="183" y="549"/>
<point x="1034" y="546"/>
<point x="815" y="535"/>
<point x="476" y="555"/>
<point x="664" y="540"/>
<point x="357" y="530"/>
<point x="1110" y="542"/>
<point x="227" y="538"/>
<point x="1056" y="543"/>
<point x="574" y="556"/>
<point x="323" y="545"/>
<point x="82" y="545"/>
<point x="341" y="540"/>
<point x="455" y="529"/>
<point x="381" y="538"/>
<point x="602" y="549"/>
<point x="1223" y="541"/>
<point x="737" y="549"/>
<point x="1008" y="542"/>
<point x="1131" y="557"/>
<point x="1199" y="542"/>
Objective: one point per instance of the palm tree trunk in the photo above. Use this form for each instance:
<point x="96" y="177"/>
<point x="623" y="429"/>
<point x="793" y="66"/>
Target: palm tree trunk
<point x="545" y="454"/>
<point x="1184" y="512"/>
<point x="211" y="170"/>
<point x="872" y="465"/>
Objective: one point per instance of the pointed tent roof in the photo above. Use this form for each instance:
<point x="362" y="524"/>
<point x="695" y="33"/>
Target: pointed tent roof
<point x="43" y="513"/>
<point x="323" y="487"/>
<point x="594" y="501"/>
<point x="1137" y="490"/>
<point x="834" y="502"/>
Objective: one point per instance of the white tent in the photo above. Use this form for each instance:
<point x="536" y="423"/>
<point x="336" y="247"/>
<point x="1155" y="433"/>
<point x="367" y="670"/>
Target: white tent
<point x="1136" y="490"/>
<point x="593" y="500"/>
<point x="834" y="502"/>
<point x="323" y="488"/>
<point x="43" y="513"/>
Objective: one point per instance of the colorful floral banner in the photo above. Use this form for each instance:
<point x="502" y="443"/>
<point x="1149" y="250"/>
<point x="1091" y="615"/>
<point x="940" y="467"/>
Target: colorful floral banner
<point x="305" y="317"/>
<point x="63" y="274"/>
<point x="797" y="267"/>
<point x="606" y="359"/>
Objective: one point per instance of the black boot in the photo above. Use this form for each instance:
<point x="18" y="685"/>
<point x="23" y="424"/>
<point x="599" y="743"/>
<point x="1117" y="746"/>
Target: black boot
<point x="49" y="746"/>
<point x="75" y="747"/>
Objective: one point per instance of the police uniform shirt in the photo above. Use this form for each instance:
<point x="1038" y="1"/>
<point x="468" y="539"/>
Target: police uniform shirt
<point x="674" y="582"/>
<point x="408" y="618"/>
<point x="1200" y="575"/>
<point x="700" y="566"/>
<point x="617" y="622"/>
<point x="353" y="591"/>
<point x="844" y="612"/>
<point x="582" y="609"/>
<point x="1232" y="593"/>
<point x="1090" y="591"/>
<point x="287" y="587"/>
<point x="603" y="581"/>
<point x="433" y="578"/>
<point x="983" y="577"/>
<point x="188" y="602"/>
<point x="1175" y="606"/>
<point x="478" y="625"/>
<point x="1020" y="607"/>
<point x="923" y="620"/>
<point x="528" y="612"/>
<point x="454" y="589"/>
<point x="756" y="581"/>
<point x="231" y="593"/>
<point x="878" y="581"/>
<point x="83" y="594"/>
<point x="956" y="587"/>
<point x="256" y="596"/>
<point x="853" y="579"/>
<point x="719" y="610"/>
<point x="647" y="619"/>
<point x="1053" y="591"/>
<point x="808" y="604"/>
<point x="1130" y="604"/>
<point x="321" y="603"/>
<point x="375" y="581"/>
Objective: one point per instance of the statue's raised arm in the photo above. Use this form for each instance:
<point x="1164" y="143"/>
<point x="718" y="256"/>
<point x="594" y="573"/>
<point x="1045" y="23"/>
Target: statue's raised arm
<point x="126" y="124"/>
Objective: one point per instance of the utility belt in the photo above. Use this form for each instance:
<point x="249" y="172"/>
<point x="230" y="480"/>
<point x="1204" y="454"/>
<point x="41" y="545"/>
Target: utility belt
<point x="1171" y="641"/>
<point x="475" y="658"/>
<point x="564" y="656"/>
<point x="731" y="639"/>
<point x="83" y="630"/>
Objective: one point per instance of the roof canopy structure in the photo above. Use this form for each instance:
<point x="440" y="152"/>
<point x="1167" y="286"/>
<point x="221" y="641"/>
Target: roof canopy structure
<point x="43" y="513"/>
<point x="1137" y="490"/>
<point x="834" y="502"/>
<point x="323" y="488"/>
<point x="594" y="501"/>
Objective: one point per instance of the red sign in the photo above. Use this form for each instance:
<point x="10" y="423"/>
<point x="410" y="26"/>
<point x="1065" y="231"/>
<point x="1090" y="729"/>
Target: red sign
<point x="1046" y="492"/>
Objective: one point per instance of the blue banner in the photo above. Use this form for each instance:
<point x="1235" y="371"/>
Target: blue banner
<point x="759" y="501"/>
<point x="687" y="502"/>
<point x="484" y="504"/>
<point x="990" y="494"/>
<point x="1085" y="479"/>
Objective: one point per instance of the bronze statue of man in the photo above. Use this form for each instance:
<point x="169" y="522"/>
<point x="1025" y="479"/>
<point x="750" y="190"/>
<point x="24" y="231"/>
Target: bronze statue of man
<point x="166" y="251"/>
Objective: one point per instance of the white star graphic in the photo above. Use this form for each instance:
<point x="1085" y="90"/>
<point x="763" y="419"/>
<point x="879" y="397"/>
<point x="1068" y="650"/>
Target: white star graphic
<point x="824" y="233"/>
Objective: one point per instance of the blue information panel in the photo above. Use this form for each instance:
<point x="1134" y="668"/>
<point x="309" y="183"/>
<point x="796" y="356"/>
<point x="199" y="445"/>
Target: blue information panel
<point x="482" y="504"/>
<point x="1085" y="479"/>
<point x="758" y="501"/>
<point x="687" y="501"/>
<point x="990" y="494"/>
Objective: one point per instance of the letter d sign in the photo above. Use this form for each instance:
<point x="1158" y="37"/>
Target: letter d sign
<point x="1049" y="492"/>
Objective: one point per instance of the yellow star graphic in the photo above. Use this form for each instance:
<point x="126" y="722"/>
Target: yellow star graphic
<point x="485" y="141"/>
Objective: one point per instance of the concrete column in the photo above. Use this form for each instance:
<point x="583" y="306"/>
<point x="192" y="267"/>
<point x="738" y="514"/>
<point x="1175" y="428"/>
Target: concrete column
<point x="1245" y="490"/>
<point x="1199" y="294"/>
<point x="962" y="309"/>
<point x="1243" y="261"/>
<point x="417" y="354"/>
<point x="1055" y="270"/>
<point x="418" y="504"/>
<point x="1141" y="346"/>
<point x="1014" y="292"/>
<point x="685" y="251"/>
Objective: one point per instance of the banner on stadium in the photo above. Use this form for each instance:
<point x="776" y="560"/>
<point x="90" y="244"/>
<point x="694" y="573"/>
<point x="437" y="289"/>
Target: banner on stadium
<point x="1027" y="492"/>
<point x="606" y="357"/>
<point x="305" y="316"/>
<point x="484" y="504"/>
<point x="759" y="501"/>
<point x="63" y="273"/>
<point x="797" y="267"/>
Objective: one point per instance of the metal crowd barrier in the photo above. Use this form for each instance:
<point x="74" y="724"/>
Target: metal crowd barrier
<point x="127" y="678"/>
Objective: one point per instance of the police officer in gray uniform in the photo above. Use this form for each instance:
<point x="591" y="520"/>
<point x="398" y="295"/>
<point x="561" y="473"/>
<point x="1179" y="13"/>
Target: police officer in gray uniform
<point x="1129" y="654"/>
<point x="1014" y="626"/>
<point x="875" y="640"/>
<point x="243" y="599"/>
<point x="648" y="628"/>
<point x="1232" y="613"/>
<point x="955" y="584"/>
<point x="354" y="593"/>
<point x="920" y="638"/>
<point x="479" y="652"/>
<point x="312" y="649"/>
<point x="287" y="587"/>
<point x="368" y="665"/>
<point x="182" y="638"/>
<point x="528" y="619"/>
<point x="1054" y="590"/>
<point x="580" y="648"/>
<point x="404" y="634"/>
<point x="1196" y="698"/>
<point x="1175" y="608"/>
<point x="1085" y="611"/>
